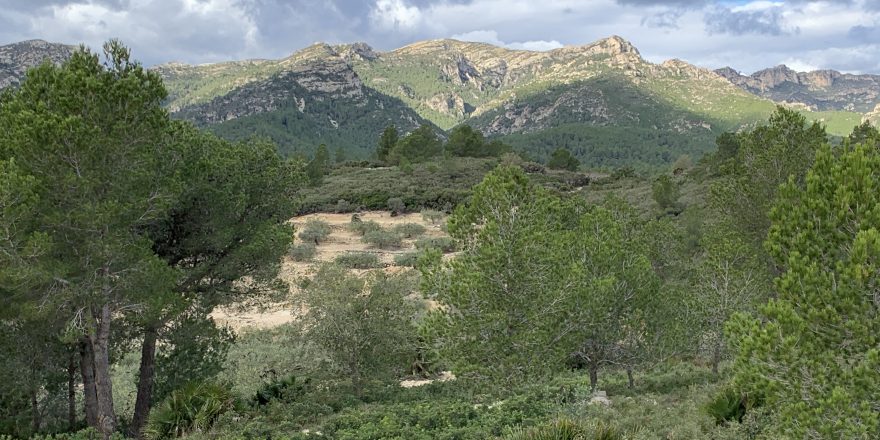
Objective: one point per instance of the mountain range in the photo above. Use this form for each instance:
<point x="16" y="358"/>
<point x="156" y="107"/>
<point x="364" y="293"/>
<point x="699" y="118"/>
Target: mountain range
<point x="602" y="101"/>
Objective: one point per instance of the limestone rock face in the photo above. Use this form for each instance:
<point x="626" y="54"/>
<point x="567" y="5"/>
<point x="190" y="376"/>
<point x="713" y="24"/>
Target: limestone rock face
<point x="816" y="90"/>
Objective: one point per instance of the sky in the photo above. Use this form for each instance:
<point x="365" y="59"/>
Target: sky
<point x="747" y="35"/>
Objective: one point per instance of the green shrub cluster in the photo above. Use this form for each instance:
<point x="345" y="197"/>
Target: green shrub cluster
<point x="408" y="259"/>
<point x="358" y="260"/>
<point x="364" y="227"/>
<point x="444" y="244"/>
<point x="383" y="239"/>
<point x="193" y="408"/>
<point x="315" y="231"/>
<point x="409" y="230"/>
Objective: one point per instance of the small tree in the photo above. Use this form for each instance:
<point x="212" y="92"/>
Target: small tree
<point x="320" y="164"/>
<point x="464" y="141"/>
<point x="728" y="284"/>
<point x="665" y="192"/>
<point x="364" y="324"/>
<point x="315" y="231"/>
<point x="418" y="146"/>
<point x="561" y="159"/>
<point x="387" y="142"/>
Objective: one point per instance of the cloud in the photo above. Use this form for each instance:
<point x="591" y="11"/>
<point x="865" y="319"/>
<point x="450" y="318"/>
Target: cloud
<point x="753" y="18"/>
<point x="395" y="15"/>
<point x="491" y="37"/>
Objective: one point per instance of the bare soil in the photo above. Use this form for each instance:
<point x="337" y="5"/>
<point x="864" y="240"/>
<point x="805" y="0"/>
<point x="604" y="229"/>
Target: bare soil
<point x="340" y="241"/>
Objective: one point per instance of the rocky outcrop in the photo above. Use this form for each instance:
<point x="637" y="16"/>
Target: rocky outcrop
<point x="816" y="90"/>
<point x="17" y="58"/>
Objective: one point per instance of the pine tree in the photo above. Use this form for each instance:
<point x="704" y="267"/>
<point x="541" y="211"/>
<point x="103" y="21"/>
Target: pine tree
<point x="813" y="352"/>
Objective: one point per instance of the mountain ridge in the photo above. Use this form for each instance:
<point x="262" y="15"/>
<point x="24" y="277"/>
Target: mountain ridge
<point x="594" y="99"/>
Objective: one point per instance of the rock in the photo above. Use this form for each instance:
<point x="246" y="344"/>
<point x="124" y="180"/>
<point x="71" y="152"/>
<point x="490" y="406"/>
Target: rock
<point x="600" y="398"/>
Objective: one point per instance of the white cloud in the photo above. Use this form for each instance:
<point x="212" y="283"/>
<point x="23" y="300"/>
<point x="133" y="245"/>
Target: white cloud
<point x="395" y="14"/>
<point x="491" y="37"/>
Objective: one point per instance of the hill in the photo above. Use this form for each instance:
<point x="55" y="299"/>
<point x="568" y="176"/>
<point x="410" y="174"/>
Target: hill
<point x="16" y="58"/>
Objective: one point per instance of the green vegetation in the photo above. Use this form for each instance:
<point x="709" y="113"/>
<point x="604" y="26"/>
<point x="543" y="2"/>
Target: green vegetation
<point x="409" y="230"/>
<point x="571" y="308"/>
<point x="358" y="260"/>
<point x="443" y="244"/>
<point x="193" y="408"/>
<point x="561" y="159"/>
<point x="363" y="323"/>
<point x="383" y="239"/>
<point x="315" y="231"/>
<point x="116" y="209"/>
<point x="303" y="251"/>
<point x="824" y="239"/>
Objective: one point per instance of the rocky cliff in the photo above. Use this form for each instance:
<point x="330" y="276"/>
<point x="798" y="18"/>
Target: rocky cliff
<point x="816" y="90"/>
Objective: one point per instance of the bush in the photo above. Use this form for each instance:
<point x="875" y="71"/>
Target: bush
<point x="362" y="228"/>
<point x="315" y="231"/>
<point x="344" y="206"/>
<point x="409" y="230"/>
<point x="409" y="259"/>
<point x="395" y="204"/>
<point x="358" y="260"/>
<point x="383" y="239"/>
<point x="730" y="405"/>
<point x="287" y="388"/>
<point x="193" y="408"/>
<point x="430" y="215"/>
<point x="303" y="251"/>
<point x="445" y="244"/>
<point x="564" y="429"/>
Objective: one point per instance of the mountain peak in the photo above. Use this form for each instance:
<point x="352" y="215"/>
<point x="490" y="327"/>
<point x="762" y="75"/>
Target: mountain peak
<point x="619" y="45"/>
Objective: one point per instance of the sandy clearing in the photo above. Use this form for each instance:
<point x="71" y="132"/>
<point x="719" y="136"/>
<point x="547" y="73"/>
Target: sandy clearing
<point x="340" y="241"/>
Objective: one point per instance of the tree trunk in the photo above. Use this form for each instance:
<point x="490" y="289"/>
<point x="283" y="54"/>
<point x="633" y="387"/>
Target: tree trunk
<point x="87" y="370"/>
<point x="71" y="392"/>
<point x="716" y="355"/>
<point x="629" y="377"/>
<point x="35" y="411"/>
<point x="103" y="384"/>
<point x="145" y="383"/>
<point x="594" y="377"/>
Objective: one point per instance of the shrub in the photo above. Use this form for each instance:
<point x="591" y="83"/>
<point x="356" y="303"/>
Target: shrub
<point x="409" y="259"/>
<point x="287" y="388"/>
<point x="564" y="429"/>
<point x="358" y="260"/>
<point x="445" y="244"/>
<point x="395" y="204"/>
<point x="409" y="230"/>
<point x="731" y="405"/>
<point x="303" y="251"/>
<point x="344" y="206"/>
<point x="383" y="239"/>
<point x="362" y="228"/>
<point x="193" y="408"/>
<point x="315" y="231"/>
<point x="430" y="215"/>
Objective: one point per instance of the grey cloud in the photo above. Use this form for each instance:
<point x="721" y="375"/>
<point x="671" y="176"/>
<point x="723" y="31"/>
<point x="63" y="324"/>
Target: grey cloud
<point x="670" y="3"/>
<point x="665" y="19"/>
<point x="722" y="20"/>
<point x="865" y="34"/>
